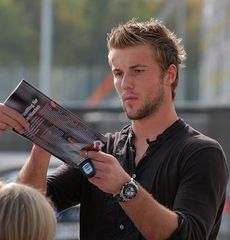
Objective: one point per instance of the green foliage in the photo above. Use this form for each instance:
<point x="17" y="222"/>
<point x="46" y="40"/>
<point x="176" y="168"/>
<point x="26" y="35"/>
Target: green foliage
<point x="80" y="28"/>
<point x="18" y="39"/>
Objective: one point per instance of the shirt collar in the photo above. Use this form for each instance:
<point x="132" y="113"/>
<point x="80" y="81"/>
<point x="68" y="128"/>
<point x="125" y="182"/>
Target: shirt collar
<point x="127" y="131"/>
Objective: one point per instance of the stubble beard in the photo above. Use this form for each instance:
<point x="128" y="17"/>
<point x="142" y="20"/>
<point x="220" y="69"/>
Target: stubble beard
<point x="149" y="107"/>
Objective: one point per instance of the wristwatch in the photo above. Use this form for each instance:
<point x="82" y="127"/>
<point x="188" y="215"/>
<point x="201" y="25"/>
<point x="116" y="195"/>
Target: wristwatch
<point x="128" y="191"/>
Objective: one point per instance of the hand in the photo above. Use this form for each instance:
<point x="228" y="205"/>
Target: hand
<point x="11" y="119"/>
<point x="110" y="176"/>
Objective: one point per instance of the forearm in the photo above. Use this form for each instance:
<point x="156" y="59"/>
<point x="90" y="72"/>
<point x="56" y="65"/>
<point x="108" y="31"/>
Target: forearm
<point x="153" y="220"/>
<point x="34" y="171"/>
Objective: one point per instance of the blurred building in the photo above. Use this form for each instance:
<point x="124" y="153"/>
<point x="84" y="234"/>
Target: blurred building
<point x="215" y="56"/>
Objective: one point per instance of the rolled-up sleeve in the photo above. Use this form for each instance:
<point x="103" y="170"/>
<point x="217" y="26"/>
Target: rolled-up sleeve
<point x="200" y="197"/>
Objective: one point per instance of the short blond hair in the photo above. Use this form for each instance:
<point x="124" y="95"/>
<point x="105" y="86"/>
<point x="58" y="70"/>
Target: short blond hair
<point x="25" y="214"/>
<point x="167" y="48"/>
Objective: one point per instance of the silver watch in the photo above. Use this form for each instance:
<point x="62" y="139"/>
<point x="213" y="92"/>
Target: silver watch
<point x="128" y="191"/>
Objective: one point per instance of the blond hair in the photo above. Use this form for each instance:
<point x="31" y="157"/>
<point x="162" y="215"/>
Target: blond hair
<point x="25" y="214"/>
<point x="167" y="48"/>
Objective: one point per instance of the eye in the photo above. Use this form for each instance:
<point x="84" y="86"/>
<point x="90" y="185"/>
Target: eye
<point x="138" y="70"/>
<point x="117" y="74"/>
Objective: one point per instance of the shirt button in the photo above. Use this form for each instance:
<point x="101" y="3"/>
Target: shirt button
<point x="121" y="226"/>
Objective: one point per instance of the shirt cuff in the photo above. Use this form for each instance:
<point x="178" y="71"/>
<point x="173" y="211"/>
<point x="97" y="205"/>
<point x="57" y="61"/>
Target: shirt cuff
<point x="176" y="234"/>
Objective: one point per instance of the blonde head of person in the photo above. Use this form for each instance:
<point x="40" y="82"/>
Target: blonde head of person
<point x="25" y="214"/>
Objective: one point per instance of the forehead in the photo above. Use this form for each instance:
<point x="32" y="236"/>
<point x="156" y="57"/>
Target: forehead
<point x="141" y="54"/>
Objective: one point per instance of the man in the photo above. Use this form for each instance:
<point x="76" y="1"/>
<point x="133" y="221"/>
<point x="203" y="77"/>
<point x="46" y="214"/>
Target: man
<point x="157" y="178"/>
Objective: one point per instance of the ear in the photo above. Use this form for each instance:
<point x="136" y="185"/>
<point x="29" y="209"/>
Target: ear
<point x="171" y="74"/>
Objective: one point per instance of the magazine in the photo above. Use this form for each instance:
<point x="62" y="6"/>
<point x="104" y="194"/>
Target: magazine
<point x="53" y="127"/>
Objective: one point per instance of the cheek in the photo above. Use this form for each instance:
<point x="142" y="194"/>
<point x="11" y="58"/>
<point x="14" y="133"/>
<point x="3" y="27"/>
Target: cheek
<point x="146" y="85"/>
<point x="117" y="85"/>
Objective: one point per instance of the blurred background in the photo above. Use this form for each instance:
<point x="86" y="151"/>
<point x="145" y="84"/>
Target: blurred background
<point x="60" y="47"/>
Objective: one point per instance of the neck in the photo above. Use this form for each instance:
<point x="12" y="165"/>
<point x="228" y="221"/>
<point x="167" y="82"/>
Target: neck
<point x="151" y="126"/>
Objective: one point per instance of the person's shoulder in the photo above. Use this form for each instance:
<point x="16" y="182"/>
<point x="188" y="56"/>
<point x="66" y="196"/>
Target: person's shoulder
<point x="199" y="140"/>
<point x="189" y="138"/>
<point x="201" y="151"/>
<point x="196" y="145"/>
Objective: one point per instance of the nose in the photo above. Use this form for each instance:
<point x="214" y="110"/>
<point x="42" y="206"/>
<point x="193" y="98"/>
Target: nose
<point x="127" y="82"/>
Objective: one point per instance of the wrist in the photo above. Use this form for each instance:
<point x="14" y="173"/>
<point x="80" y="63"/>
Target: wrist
<point x="128" y="191"/>
<point x="121" y="183"/>
<point x="39" y="153"/>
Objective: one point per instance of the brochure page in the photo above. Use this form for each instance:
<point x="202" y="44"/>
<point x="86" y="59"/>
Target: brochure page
<point x="53" y="127"/>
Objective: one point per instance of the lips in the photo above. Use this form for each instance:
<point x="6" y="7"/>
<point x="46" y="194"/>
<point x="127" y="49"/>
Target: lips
<point x="129" y="97"/>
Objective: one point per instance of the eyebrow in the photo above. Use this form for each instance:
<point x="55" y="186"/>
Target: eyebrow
<point x="115" y="69"/>
<point x="137" y="65"/>
<point x="131" y="67"/>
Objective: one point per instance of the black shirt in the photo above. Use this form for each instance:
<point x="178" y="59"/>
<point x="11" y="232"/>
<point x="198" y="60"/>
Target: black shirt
<point x="182" y="169"/>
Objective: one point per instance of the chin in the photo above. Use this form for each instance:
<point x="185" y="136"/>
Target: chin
<point x="133" y="116"/>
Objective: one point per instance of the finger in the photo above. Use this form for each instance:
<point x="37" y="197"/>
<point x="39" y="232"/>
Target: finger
<point x="15" y="115"/>
<point x="12" y="124"/>
<point x="4" y="127"/>
<point x="13" y="118"/>
<point x="95" y="180"/>
<point x="103" y="170"/>
<point x="98" y="156"/>
<point x="84" y="153"/>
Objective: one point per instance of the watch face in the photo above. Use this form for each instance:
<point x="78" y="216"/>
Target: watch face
<point x="130" y="191"/>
